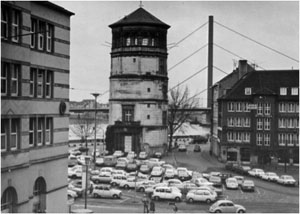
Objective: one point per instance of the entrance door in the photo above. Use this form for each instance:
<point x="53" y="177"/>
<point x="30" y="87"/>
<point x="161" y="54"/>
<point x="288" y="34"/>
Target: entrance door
<point x="127" y="143"/>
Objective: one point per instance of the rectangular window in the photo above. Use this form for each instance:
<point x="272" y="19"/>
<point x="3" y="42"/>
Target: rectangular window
<point x="238" y="122"/>
<point x="239" y="137"/>
<point x="296" y="139"/>
<point x="295" y="91"/>
<point x="15" y="25"/>
<point x="48" y="131"/>
<point x="281" y="139"/>
<point x="128" y="113"/>
<point x="145" y="41"/>
<point x="259" y="108"/>
<point x="247" y="109"/>
<point x="49" y="78"/>
<point x="4" y="73"/>
<point x="281" y="123"/>
<point x="40" y="130"/>
<point x="259" y="123"/>
<point x="267" y="139"/>
<point x="267" y="108"/>
<point x="4" y="134"/>
<point x="14" y="79"/>
<point x="259" y="139"/>
<point x="128" y="41"/>
<point x="291" y="107"/>
<point x="230" y="107"/>
<point x="296" y="122"/>
<point x="33" y="33"/>
<point x="41" y="35"/>
<point x="297" y="107"/>
<point x="32" y="82"/>
<point x="230" y="122"/>
<point x="283" y="91"/>
<point x="267" y="123"/>
<point x="248" y="91"/>
<point x="40" y="83"/>
<point x="230" y="137"/>
<point x="4" y="22"/>
<point x="282" y="107"/>
<point x="290" y="123"/>
<point x="247" y="137"/>
<point x="238" y="107"/>
<point x="246" y="122"/>
<point x="14" y="133"/>
<point x="164" y="117"/>
<point x="32" y="128"/>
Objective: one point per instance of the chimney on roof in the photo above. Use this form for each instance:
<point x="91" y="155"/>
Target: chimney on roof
<point x="244" y="68"/>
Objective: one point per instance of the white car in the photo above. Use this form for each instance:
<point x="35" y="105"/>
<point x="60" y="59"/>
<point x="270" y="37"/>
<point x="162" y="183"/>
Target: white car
<point x="157" y="171"/>
<point x="106" y="171"/>
<point x="143" y="155"/>
<point x="79" y="190"/>
<point x="130" y="182"/>
<point x="71" y="194"/>
<point x="131" y="155"/>
<point x="183" y="173"/>
<point x="118" y="153"/>
<point x="226" y="206"/>
<point x="231" y="183"/>
<point x="188" y="186"/>
<point x="142" y="186"/>
<point x="117" y="179"/>
<point x="256" y="172"/>
<point x="118" y="172"/>
<point x="201" y="195"/>
<point x="182" y="148"/>
<point x="171" y="193"/>
<point x="203" y="182"/>
<point x="75" y="172"/>
<point x="106" y="192"/>
<point x="270" y="176"/>
<point x="170" y="173"/>
<point x="101" y="178"/>
<point x="175" y="183"/>
<point x="240" y="179"/>
<point x="99" y="161"/>
<point x="286" y="180"/>
<point x="81" y="159"/>
<point x="155" y="162"/>
<point x="150" y="189"/>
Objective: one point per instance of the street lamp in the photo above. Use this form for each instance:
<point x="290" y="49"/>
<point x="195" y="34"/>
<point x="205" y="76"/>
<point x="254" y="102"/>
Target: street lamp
<point x="87" y="162"/>
<point x="95" y="95"/>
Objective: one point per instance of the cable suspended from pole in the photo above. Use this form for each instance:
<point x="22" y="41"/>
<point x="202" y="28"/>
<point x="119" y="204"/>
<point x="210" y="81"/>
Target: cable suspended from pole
<point x="187" y="57"/>
<point x="272" y="49"/>
<point x="188" y="78"/>
<point x="198" y="28"/>
<point x="220" y="70"/>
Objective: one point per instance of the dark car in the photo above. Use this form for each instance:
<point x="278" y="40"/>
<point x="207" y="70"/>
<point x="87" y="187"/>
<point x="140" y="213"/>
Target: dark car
<point x="144" y="168"/>
<point x="131" y="167"/>
<point x="216" y="180"/>
<point x="248" y="185"/>
<point x="197" y="148"/>
<point x="243" y="170"/>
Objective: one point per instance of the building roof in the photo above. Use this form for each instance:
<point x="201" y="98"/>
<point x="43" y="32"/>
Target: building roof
<point x="266" y="82"/>
<point x="55" y="6"/>
<point x="139" y="17"/>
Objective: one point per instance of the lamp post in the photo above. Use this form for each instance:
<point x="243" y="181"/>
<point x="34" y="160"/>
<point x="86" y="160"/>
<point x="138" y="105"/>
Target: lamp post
<point x="87" y="161"/>
<point x="94" y="157"/>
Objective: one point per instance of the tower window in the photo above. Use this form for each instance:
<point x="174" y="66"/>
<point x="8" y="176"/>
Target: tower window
<point x="148" y="116"/>
<point x="149" y="90"/>
<point x="134" y="59"/>
<point x="148" y="105"/>
<point x="128" y="41"/>
<point x="145" y="42"/>
<point x="127" y="113"/>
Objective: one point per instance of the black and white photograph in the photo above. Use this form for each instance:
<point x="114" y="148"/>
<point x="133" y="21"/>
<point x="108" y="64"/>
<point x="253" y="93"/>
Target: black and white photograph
<point x="149" y="106"/>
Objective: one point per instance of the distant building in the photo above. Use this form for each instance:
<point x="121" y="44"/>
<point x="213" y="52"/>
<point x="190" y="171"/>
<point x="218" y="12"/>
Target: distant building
<point x="35" y="56"/>
<point x="258" y="119"/>
<point x="138" y="101"/>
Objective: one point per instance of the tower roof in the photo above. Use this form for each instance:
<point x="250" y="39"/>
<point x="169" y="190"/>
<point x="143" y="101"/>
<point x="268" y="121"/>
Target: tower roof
<point x="139" y="17"/>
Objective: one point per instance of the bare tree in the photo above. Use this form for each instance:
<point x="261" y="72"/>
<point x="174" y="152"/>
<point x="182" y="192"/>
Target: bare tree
<point x="180" y="105"/>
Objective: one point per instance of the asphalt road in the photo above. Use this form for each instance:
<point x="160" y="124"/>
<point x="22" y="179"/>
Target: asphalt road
<point x="268" y="197"/>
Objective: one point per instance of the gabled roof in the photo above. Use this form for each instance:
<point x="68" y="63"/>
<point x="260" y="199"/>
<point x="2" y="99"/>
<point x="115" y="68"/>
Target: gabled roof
<point x="263" y="83"/>
<point x="139" y="17"/>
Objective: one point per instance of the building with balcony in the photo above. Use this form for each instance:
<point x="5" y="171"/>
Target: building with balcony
<point x="258" y="119"/>
<point x="138" y="101"/>
<point x="35" y="56"/>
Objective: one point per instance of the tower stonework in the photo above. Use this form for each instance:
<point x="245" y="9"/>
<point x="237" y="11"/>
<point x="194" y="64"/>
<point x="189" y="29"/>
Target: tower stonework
<point x="138" y="101"/>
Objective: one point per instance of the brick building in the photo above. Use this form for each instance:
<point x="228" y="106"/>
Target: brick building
<point x="138" y="84"/>
<point x="35" y="54"/>
<point x="258" y="118"/>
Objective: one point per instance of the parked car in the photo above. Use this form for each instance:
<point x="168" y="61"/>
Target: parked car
<point x="183" y="174"/>
<point x="144" y="185"/>
<point x="240" y="179"/>
<point x="118" y="153"/>
<point x="78" y="190"/>
<point x="226" y="206"/>
<point x="71" y="194"/>
<point x="231" y="183"/>
<point x="197" y="148"/>
<point x="202" y="182"/>
<point x="156" y="179"/>
<point x="106" y="191"/>
<point x="131" y="155"/>
<point x="81" y="159"/>
<point x="201" y="195"/>
<point x="106" y="171"/>
<point x="149" y="190"/>
<point x="231" y="166"/>
<point x="99" y="161"/>
<point x="286" y="180"/>
<point x="121" y="165"/>
<point x="270" y="176"/>
<point x="216" y="180"/>
<point x="130" y="182"/>
<point x="170" y="173"/>
<point x="167" y="166"/>
<point x="101" y="178"/>
<point x="143" y="155"/>
<point x="94" y="171"/>
<point x="144" y="168"/>
<point x="248" y="185"/>
<point x="171" y="193"/>
<point x="243" y="169"/>
<point x="110" y="160"/>
<point x="117" y="179"/>
<point x="132" y="166"/>
<point x="175" y="183"/>
<point x="155" y="162"/>
<point x="72" y="160"/>
<point x="157" y="171"/>
<point x="119" y="172"/>
<point x="75" y="172"/>
<point x="157" y="155"/>
<point x="219" y="191"/>
<point x="256" y="172"/>
<point x="182" y="148"/>
<point x="188" y="186"/>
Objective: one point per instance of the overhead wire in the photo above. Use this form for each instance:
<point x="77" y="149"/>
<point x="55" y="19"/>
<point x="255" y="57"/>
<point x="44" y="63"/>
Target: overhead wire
<point x="272" y="49"/>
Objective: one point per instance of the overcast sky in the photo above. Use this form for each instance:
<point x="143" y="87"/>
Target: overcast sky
<point x="274" y="24"/>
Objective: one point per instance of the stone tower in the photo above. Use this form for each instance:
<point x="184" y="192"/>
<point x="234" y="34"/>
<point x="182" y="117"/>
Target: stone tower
<point x="138" y="101"/>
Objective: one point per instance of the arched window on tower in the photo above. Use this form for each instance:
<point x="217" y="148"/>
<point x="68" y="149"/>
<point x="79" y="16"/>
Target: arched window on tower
<point x="39" y="196"/>
<point x="128" y="41"/>
<point x="9" y="201"/>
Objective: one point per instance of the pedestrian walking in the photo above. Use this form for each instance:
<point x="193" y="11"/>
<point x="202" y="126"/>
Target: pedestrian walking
<point x="145" y="202"/>
<point x="152" y="206"/>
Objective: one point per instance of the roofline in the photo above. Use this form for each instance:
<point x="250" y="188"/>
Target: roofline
<point x="55" y="6"/>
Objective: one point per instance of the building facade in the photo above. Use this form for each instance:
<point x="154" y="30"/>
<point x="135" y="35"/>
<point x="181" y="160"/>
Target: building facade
<point x="259" y="118"/>
<point x="35" y="54"/>
<point x="138" y="84"/>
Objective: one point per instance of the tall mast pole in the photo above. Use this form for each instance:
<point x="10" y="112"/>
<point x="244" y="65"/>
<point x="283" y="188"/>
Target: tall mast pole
<point x="210" y="76"/>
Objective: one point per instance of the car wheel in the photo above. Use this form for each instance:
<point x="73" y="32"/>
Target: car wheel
<point x="126" y="186"/>
<point x="208" y="201"/>
<point x="218" y="211"/>
<point x="95" y="195"/>
<point x="156" y="198"/>
<point x="190" y="200"/>
<point x="177" y="199"/>
<point x="115" y="196"/>
<point x="241" y="211"/>
<point x="142" y="189"/>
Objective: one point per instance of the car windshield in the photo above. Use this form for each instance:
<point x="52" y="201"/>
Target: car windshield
<point x="248" y="183"/>
<point x="288" y="177"/>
